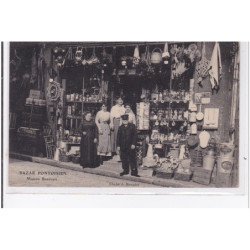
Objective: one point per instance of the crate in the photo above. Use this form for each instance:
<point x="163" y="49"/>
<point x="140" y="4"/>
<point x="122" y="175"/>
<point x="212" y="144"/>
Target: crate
<point x="183" y="176"/>
<point x="76" y="159"/>
<point x="160" y="173"/>
<point x="35" y="94"/>
<point x="202" y="176"/>
<point x="64" y="158"/>
<point x="223" y="180"/>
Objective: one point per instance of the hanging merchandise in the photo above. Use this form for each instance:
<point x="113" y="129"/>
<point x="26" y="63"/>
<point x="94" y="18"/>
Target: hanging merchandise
<point x="106" y="60"/>
<point x="33" y="78"/>
<point x="136" y="58"/>
<point x="93" y="59"/>
<point x="25" y="80"/>
<point x="215" y="67"/>
<point x="149" y="160"/>
<point x="208" y="162"/>
<point x="165" y="54"/>
<point x="69" y="56"/>
<point x="156" y="56"/>
<point x="193" y="53"/>
<point x="124" y="58"/>
<point x="142" y="111"/>
<point x="192" y="117"/>
<point x="211" y="118"/>
<point x="235" y="93"/>
<point x="178" y="62"/>
<point x="145" y="57"/>
<point x="194" y="129"/>
<point x="201" y="67"/>
<point x="204" y="139"/>
<point x="41" y="67"/>
<point x="182" y="151"/>
<point x="227" y="149"/>
<point x="199" y="115"/>
<point x="78" y="55"/>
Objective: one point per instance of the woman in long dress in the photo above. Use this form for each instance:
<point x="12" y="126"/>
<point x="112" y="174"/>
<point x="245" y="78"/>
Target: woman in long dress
<point x="88" y="147"/>
<point x="130" y="113"/>
<point x="102" y="121"/>
<point x="115" y="121"/>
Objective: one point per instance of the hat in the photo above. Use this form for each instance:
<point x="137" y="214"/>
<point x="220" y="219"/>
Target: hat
<point x="124" y="117"/>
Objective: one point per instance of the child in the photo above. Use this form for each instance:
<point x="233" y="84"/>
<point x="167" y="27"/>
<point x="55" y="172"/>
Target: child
<point x="126" y="141"/>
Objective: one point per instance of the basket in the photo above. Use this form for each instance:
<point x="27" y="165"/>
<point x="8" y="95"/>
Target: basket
<point x="76" y="159"/>
<point x="156" y="57"/>
<point x="64" y="158"/>
<point x="164" y="174"/>
<point x="196" y="156"/>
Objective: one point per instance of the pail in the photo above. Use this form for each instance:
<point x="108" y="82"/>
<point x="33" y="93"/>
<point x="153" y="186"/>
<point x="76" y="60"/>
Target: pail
<point x="226" y="150"/>
<point x="208" y="162"/>
<point x="225" y="164"/>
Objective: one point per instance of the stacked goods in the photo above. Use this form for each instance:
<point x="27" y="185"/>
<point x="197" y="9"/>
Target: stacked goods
<point x="35" y="94"/>
<point x="196" y="157"/>
<point x="183" y="171"/>
<point x="225" y="164"/>
<point x="202" y="176"/>
<point x="142" y="111"/>
<point x="76" y="158"/>
<point x="139" y="154"/>
<point x="165" y="171"/>
<point x="35" y="98"/>
<point x="64" y="156"/>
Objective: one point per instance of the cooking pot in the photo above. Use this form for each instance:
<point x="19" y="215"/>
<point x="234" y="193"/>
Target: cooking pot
<point x="156" y="56"/>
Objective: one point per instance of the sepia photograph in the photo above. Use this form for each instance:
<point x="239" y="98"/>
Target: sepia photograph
<point x="124" y="114"/>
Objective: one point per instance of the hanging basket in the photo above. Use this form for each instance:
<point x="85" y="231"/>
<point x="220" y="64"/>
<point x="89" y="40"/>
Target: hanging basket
<point x="156" y="56"/>
<point x="64" y="158"/>
<point x="76" y="159"/>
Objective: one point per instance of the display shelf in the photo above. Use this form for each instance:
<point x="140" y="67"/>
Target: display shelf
<point x="34" y="105"/>
<point x="173" y="120"/>
<point x="74" y="117"/>
<point x="84" y="102"/>
<point x="169" y="101"/>
<point x="73" y="143"/>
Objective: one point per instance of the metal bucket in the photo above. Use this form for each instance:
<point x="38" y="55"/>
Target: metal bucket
<point x="226" y="150"/>
<point x="208" y="162"/>
<point x="225" y="164"/>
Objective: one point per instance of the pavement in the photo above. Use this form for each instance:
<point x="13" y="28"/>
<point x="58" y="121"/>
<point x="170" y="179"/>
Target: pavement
<point x="109" y="169"/>
<point x="31" y="174"/>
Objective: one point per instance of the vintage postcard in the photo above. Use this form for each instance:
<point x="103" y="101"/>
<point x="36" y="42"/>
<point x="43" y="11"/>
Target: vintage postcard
<point x="135" y="115"/>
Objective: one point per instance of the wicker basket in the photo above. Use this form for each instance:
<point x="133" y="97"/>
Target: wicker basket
<point x="64" y="158"/>
<point x="196" y="156"/>
<point x="76" y="159"/>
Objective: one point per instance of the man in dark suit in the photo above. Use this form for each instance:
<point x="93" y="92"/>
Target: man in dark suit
<point x="126" y="141"/>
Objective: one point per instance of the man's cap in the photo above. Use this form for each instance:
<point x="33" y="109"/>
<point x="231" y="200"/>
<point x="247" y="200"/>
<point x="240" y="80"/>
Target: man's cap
<point x="124" y="117"/>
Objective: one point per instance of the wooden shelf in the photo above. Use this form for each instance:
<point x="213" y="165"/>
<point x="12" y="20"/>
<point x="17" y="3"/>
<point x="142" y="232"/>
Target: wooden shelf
<point x="169" y="101"/>
<point x="83" y="102"/>
<point x="73" y="117"/>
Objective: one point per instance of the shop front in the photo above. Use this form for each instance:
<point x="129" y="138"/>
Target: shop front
<point x="68" y="101"/>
